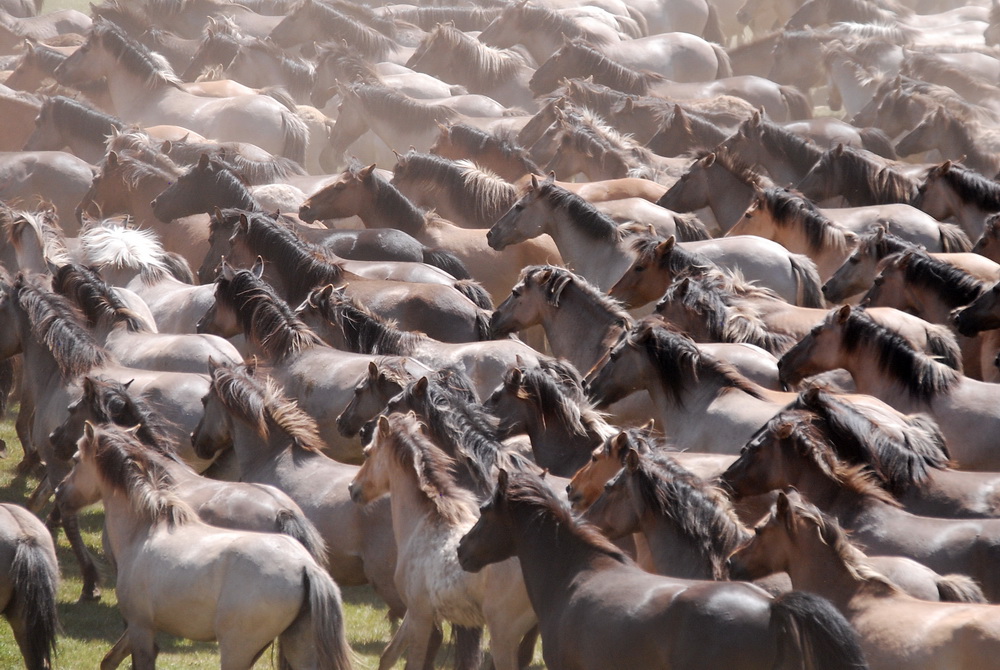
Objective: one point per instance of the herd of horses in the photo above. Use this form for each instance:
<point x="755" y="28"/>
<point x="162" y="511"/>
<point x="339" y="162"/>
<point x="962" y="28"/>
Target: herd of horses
<point x="666" y="332"/>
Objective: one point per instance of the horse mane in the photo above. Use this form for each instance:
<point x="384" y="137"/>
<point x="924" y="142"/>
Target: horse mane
<point x="151" y="67"/>
<point x="900" y="460"/>
<point x="356" y="67"/>
<point x="692" y="124"/>
<point x="811" y="444"/>
<point x="121" y="247"/>
<point x="82" y="118"/>
<point x="130" y="467"/>
<point x="504" y="141"/>
<point x="299" y="74"/>
<point x="56" y="326"/>
<point x="365" y="332"/>
<point x="557" y="279"/>
<point x="215" y="46"/>
<point x="227" y="184"/>
<point x="47" y="231"/>
<point x="880" y="244"/>
<point x="464" y="18"/>
<point x="789" y="207"/>
<point x="389" y="200"/>
<point x="587" y="58"/>
<point x="110" y="402"/>
<point x="860" y="11"/>
<point x="45" y="58"/>
<point x="527" y="494"/>
<point x="681" y="365"/>
<point x="387" y="101"/>
<point x="871" y="178"/>
<point x="471" y="60"/>
<point x="968" y="143"/>
<point x="488" y="195"/>
<point x="137" y="142"/>
<point x="259" y="403"/>
<point x="557" y="392"/>
<point x="590" y="95"/>
<point x="135" y="168"/>
<point x="91" y="294"/>
<point x="130" y="17"/>
<point x="954" y="286"/>
<point x="925" y="65"/>
<point x="433" y="468"/>
<point x="711" y="295"/>
<point x="923" y="377"/>
<point x="366" y="40"/>
<point x="798" y="151"/>
<point x="741" y="170"/>
<point x="266" y="319"/>
<point x="249" y="170"/>
<point x="971" y="186"/>
<point x="701" y="512"/>
<point x="583" y="215"/>
<point x="884" y="33"/>
<point x="548" y="20"/>
<point x="850" y="556"/>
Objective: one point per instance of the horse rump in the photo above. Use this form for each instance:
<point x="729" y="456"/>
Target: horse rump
<point x="812" y="633"/>
<point x="35" y="578"/>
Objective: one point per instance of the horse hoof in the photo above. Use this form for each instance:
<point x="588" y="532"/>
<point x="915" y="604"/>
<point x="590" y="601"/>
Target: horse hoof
<point x="90" y="595"/>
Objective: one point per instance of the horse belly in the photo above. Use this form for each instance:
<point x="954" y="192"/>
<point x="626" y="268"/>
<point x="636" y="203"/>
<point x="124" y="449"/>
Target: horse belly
<point x="430" y="562"/>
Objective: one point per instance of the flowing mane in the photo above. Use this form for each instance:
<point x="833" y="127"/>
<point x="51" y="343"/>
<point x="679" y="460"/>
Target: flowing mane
<point x="799" y="152"/>
<point x="954" y="286"/>
<point x="970" y="186"/>
<point x="922" y="377"/>
<point x="744" y="172"/>
<point x="900" y="459"/>
<point x="129" y="466"/>
<point x="527" y="496"/>
<point x="701" y="512"/>
<point x="788" y="208"/>
<point x="120" y="247"/>
<point x="433" y="468"/>
<point x="554" y="282"/>
<point x="261" y="404"/>
<point x="555" y="390"/>
<point x="868" y="178"/>
<point x="879" y="243"/>
<point x="677" y="260"/>
<point x="485" y="193"/>
<point x="44" y="225"/>
<point x="92" y="296"/>
<point x="249" y="169"/>
<point x="368" y="41"/>
<point x="383" y="101"/>
<point x="298" y="74"/>
<point x="109" y="401"/>
<point x="364" y="331"/>
<point x="57" y="327"/>
<point x="407" y="216"/>
<point x="681" y="365"/>
<point x="505" y="142"/>
<point x="471" y="61"/>
<point x="266" y="319"/>
<point x="136" y="167"/>
<point x="711" y="295"/>
<point x="586" y="133"/>
<point x="583" y="215"/>
<point x="546" y="20"/>
<point x="586" y="58"/>
<point x="84" y="120"/>
<point x="462" y="17"/>
<point x="810" y="444"/>
<point x="151" y="67"/>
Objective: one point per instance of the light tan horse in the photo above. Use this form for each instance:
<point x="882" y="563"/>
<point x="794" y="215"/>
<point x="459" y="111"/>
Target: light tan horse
<point x="430" y="513"/>
<point x="179" y="575"/>
<point x="896" y="630"/>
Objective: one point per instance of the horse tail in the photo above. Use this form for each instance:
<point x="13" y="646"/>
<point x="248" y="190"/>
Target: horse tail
<point x="960" y="589"/>
<point x="638" y="17"/>
<point x="953" y="238"/>
<point x="483" y="331"/>
<point x="468" y="647"/>
<point x="294" y="524"/>
<point x="807" y="277"/>
<point x="812" y="633"/>
<point x="690" y="228"/>
<point x="35" y="577"/>
<point x="942" y="345"/>
<point x="281" y="95"/>
<point x="324" y="612"/>
<point x="179" y="268"/>
<point x="797" y="102"/>
<point x="296" y="136"/>
<point x="475" y="292"/>
<point x="447" y="261"/>
<point x="725" y="65"/>
<point x="876" y="141"/>
<point x="713" y="26"/>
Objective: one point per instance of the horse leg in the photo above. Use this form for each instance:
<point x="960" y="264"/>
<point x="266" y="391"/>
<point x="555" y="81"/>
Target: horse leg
<point x="88" y="570"/>
<point x="30" y="460"/>
<point x="468" y="648"/>
<point x="512" y="641"/>
<point x="144" y="649"/>
<point x="118" y="653"/>
<point x="234" y="655"/>
<point x="40" y="496"/>
<point x="398" y="643"/>
<point x="433" y="645"/>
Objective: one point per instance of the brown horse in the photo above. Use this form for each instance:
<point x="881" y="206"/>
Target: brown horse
<point x="896" y="630"/>
<point x="586" y="597"/>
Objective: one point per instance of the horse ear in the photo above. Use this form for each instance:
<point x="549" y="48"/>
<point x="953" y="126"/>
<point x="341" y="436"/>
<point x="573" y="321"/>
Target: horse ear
<point x="88" y="430"/>
<point x="516" y="376"/>
<point x="534" y="182"/>
<point x="784" y="430"/>
<point x="839" y="150"/>
<point x="879" y="233"/>
<point x="619" y="441"/>
<point x="945" y="167"/>
<point x="365" y="173"/>
<point x="420" y="386"/>
<point x="128" y="383"/>
<point x="326" y="292"/>
<point x="166" y="146"/>
<point x="755" y="119"/>
<point x="783" y="509"/>
<point x="628" y="106"/>
<point x="203" y="162"/>
<point x="843" y="313"/>
<point x="244" y="223"/>
<point x="226" y="271"/>
<point x="632" y="460"/>
<point x="258" y="268"/>
<point x="217" y="214"/>
<point x="812" y="395"/>
<point x="503" y="480"/>
<point x="134" y="429"/>
<point x="666" y="245"/>
<point x="708" y="160"/>
<point x="88" y="385"/>
<point x="384" y="430"/>
<point x="372" y="369"/>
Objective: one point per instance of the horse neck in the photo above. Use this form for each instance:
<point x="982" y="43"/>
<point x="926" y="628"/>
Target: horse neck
<point x="673" y="553"/>
<point x="412" y="512"/>
<point x="575" y="246"/>
<point x="388" y="208"/>
<point x="254" y="453"/>
<point x="580" y="330"/>
<point x="126" y="530"/>
<point x="122" y="88"/>
<point x="728" y="197"/>
<point x="557" y="448"/>
<point x="824" y="573"/>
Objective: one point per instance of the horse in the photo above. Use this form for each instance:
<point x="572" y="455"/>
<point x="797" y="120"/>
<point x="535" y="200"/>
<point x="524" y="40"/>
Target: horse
<point x="858" y="178"/>
<point x="591" y="585"/>
<point x="53" y="176"/>
<point x="986" y="244"/>
<point x="886" y="366"/>
<point x="311" y="21"/>
<point x="363" y="192"/>
<point x="130" y="66"/>
<point x="598" y="249"/>
<point x="975" y="145"/>
<point x="345" y="323"/>
<point x="857" y="274"/>
<point x="954" y="191"/>
<point x="497" y="151"/>
<point x="167" y="559"/>
<point x="430" y="512"/>
<point x="66" y="123"/>
<point x="277" y="444"/>
<point x="320" y="378"/>
<point x="818" y="555"/>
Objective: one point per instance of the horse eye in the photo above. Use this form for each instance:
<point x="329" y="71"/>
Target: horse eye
<point x="639" y="268"/>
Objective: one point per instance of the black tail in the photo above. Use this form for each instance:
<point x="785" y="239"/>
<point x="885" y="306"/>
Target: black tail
<point x="483" y="331"/>
<point x="282" y="96"/>
<point x="876" y="141"/>
<point x="468" y="647"/>
<point x="36" y="577"/>
<point x="953" y="238"/>
<point x="808" y="279"/>
<point x="812" y="633"/>
<point x="690" y="228"/>
<point x="179" y="268"/>
<point x="447" y="261"/>
<point x="797" y="102"/>
<point x="475" y="292"/>
<point x="941" y="344"/>
<point x="960" y="589"/>
<point x="294" y="524"/>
